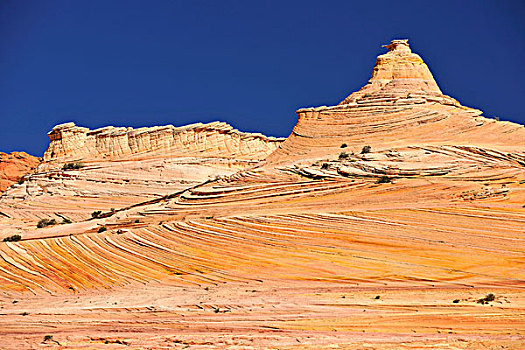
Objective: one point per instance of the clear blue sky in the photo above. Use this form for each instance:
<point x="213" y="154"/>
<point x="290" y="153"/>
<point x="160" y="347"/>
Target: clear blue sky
<point x="249" y="63"/>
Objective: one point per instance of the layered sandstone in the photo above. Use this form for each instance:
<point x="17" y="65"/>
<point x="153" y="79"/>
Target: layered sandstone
<point x="14" y="166"/>
<point x="400" y="106"/>
<point x="68" y="141"/>
<point x="108" y="168"/>
<point x="326" y="243"/>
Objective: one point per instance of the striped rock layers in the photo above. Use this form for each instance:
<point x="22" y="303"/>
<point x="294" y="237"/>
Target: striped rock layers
<point x="393" y="220"/>
<point x="69" y="141"/>
<point x="97" y="170"/>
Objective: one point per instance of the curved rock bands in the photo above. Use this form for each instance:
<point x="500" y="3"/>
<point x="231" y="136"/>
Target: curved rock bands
<point x="321" y="133"/>
<point x="373" y="245"/>
<point x="394" y="218"/>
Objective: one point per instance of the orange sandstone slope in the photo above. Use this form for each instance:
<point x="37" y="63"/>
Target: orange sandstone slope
<point x="326" y="242"/>
<point x="400" y="128"/>
<point x="14" y="166"/>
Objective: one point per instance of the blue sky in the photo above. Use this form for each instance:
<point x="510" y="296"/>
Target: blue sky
<point x="249" y="63"/>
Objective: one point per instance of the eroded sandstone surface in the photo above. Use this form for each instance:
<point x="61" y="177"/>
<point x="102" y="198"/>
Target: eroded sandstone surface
<point x="86" y="171"/>
<point x="68" y="141"/>
<point x="393" y="220"/>
<point x="14" y="166"/>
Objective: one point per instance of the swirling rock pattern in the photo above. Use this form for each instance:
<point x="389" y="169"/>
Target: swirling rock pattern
<point x="324" y="243"/>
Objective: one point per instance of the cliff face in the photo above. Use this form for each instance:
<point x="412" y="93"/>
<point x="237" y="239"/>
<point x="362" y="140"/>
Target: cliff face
<point x="14" y="166"/>
<point x="68" y="141"/>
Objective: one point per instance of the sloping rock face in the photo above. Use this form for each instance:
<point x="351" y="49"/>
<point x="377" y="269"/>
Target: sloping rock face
<point x="14" y="166"/>
<point x="400" y="106"/>
<point x="415" y="241"/>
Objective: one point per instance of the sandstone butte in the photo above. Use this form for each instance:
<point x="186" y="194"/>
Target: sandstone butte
<point x="14" y="166"/>
<point x="393" y="220"/>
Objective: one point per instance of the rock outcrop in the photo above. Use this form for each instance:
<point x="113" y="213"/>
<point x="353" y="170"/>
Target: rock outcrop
<point x="68" y="141"/>
<point x="14" y="166"/>
<point x="400" y="106"/>
<point x="91" y="170"/>
<point x="394" y="219"/>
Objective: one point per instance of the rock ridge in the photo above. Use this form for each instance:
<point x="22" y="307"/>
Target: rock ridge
<point x="69" y="141"/>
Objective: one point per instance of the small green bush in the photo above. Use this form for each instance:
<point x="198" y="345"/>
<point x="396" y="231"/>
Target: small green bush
<point x="72" y="166"/>
<point x="46" y="222"/>
<point x="96" y="214"/>
<point x="344" y="155"/>
<point x="488" y="297"/>
<point x="13" y="238"/>
<point x="344" y="145"/>
<point x="66" y="221"/>
<point x="366" y="149"/>
<point x="48" y="338"/>
<point x="325" y="166"/>
<point x="102" y="229"/>
<point x="384" y="179"/>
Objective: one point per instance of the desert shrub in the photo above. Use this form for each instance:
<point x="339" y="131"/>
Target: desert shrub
<point x="13" y="238"/>
<point x="72" y="166"/>
<point x="66" y="221"/>
<point x="366" y="95"/>
<point x="344" y="145"/>
<point x="384" y="179"/>
<point x="377" y="297"/>
<point x="96" y="214"/>
<point x="488" y="297"/>
<point x="455" y="301"/>
<point x="325" y="166"/>
<point x="48" y="337"/>
<point x="343" y="155"/>
<point x="46" y="222"/>
<point x="102" y="229"/>
<point x="137" y="221"/>
<point x="366" y="149"/>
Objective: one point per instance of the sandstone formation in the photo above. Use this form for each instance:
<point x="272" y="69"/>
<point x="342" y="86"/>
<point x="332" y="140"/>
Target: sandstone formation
<point x="86" y="171"/>
<point x="393" y="220"/>
<point x="14" y="166"/>
<point x="217" y="139"/>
